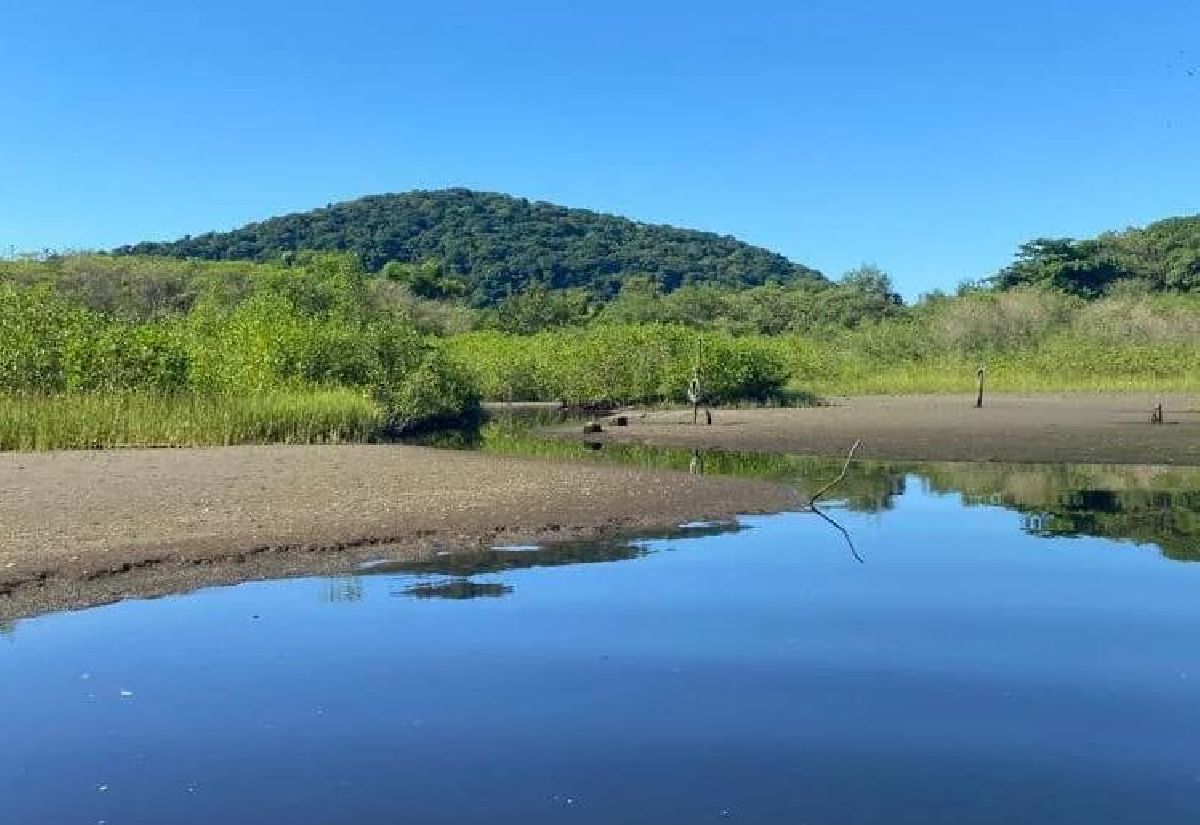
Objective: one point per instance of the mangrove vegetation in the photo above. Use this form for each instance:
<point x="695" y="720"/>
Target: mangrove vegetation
<point x="393" y="314"/>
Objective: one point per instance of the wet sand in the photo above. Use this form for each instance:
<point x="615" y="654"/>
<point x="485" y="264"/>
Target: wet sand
<point x="1108" y="429"/>
<point x="83" y="528"/>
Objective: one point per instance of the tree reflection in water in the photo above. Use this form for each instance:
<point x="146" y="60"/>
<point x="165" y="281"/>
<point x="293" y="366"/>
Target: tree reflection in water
<point x="1144" y="504"/>
<point x="456" y="589"/>
<point x="451" y="575"/>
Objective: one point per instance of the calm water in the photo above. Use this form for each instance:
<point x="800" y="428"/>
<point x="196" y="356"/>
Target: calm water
<point x="992" y="663"/>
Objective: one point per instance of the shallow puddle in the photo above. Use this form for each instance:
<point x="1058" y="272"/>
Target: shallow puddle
<point x="1022" y="650"/>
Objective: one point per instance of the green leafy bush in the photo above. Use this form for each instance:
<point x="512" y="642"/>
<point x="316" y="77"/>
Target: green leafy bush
<point x="119" y="357"/>
<point x="302" y="330"/>
<point x="620" y="363"/>
<point x="35" y="329"/>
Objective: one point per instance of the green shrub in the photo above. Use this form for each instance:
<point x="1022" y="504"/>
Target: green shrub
<point x="297" y="334"/>
<point x="620" y="363"/>
<point x="435" y="392"/>
<point x="122" y="358"/>
<point x="35" y="328"/>
<point x="416" y="381"/>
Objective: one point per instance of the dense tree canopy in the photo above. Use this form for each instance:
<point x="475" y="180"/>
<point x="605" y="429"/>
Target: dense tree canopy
<point x="1162" y="257"/>
<point x="495" y="245"/>
<point x="863" y="296"/>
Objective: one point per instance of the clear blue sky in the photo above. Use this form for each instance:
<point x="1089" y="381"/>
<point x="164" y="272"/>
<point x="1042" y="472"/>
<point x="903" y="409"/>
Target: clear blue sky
<point x="927" y="137"/>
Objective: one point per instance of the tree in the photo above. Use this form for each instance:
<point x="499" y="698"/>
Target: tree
<point x="538" y="308"/>
<point x="871" y="281"/>
<point x="428" y="279"/>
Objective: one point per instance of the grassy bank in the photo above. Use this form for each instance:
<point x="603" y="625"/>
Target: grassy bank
<point x="1061" y="362"/>
<point x="144" y="420"/>
<point x="1044" y="367"/>
<point x="271" y="353"/>
<point x="652" y="363"/>
<point x="960" y="379"/>
<point x="1029" y="341"/>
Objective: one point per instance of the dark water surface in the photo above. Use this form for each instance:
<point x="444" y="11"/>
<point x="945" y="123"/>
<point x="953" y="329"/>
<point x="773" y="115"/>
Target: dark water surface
<point x="983" y="664"/>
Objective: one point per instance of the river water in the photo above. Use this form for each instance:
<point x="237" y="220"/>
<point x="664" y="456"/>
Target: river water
<point x="957" y="644"/>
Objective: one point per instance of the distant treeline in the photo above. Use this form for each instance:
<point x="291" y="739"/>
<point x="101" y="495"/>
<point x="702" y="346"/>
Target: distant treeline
<point x="488" y="246"/>
<point x="1161" y="257"/>
<point x="483" y="248"/>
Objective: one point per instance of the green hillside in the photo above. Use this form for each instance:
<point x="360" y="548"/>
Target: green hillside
<point x="491" y="245"/>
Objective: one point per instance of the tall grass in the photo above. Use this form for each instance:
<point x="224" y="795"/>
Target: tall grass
<point x="1029" y="342"/>
<point x="1006" y="374"/>
<point x="139" y="420"/>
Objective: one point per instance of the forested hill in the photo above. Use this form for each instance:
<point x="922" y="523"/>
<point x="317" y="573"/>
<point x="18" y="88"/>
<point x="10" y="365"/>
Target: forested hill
<point x="1161" y="257"/>
<point x="495" y="244"/>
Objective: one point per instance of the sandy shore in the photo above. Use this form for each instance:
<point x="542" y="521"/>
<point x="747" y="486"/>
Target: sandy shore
<point x="82" y="528"/>
<point x="1070" y="428"/>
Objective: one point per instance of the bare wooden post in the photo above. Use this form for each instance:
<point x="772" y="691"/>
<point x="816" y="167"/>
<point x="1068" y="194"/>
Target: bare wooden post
<point x="695" y="392"/>
<point x="693" y="396"/>
<point x="979" y="374"/>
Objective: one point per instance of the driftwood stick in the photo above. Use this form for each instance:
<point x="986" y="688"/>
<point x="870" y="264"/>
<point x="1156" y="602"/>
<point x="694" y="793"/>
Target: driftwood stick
<point x="838" y="480"/>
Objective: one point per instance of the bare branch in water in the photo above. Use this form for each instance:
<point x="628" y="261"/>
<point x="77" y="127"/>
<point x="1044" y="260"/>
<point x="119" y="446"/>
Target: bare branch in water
<point x="845" y="533"/>
<point x="849" y="457"/>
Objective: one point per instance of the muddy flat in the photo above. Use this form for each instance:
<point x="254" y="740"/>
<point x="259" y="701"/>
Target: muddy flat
<point x="80" y="528"/>
<point x="1045" y="428"/>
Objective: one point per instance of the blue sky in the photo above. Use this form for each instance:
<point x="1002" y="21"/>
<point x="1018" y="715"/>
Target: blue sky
<point x="929" y="138"/>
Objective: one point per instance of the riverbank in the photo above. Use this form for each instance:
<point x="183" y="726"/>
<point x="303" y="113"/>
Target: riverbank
<point x="1083" y="428"/>
<point x="84" y="528"/>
